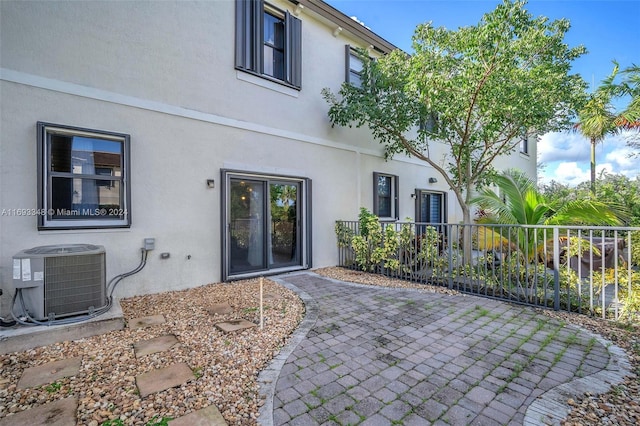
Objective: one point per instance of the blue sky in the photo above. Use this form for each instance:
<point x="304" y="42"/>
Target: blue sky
<point x="609" y="29"/>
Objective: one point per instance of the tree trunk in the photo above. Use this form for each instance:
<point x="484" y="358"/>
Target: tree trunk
<point x="466" y="235"/>
<point x="593" y="167"/>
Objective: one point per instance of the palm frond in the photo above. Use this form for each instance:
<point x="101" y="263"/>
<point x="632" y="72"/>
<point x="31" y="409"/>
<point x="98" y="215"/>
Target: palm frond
<point x="520" y="202"/>
<point x="585" y="212"/>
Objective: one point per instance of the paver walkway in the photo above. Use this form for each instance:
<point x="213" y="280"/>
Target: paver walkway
<point x="378" y="356"/>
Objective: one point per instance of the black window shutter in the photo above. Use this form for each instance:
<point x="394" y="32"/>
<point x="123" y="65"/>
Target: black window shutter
<point x="243" y="30"/>
<point x="376" y="200"/>
<point x="396" y="197"/>
<point x="249" y="28"/>
<point x="347" y="63"/>
<point x="293" y="50"/>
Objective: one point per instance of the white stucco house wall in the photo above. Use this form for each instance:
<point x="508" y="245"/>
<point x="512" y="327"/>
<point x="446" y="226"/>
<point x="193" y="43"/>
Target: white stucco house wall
<point x="198" y="124"/>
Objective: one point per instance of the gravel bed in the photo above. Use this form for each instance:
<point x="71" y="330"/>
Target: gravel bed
<point x="620" y="406"/>
<point x="225" y="364"/>
<point x="359" y="277"/>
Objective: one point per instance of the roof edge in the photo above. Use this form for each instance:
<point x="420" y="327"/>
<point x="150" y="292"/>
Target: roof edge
<point x="334" y="15"/>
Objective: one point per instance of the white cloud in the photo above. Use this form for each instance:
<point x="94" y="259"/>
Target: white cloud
<point x="355" y="18"/>
<point x="568" y="173"/>
<point x="572" y="173"/>
<point x="563" y="146"/>
<point x="620" y="157"/>
<point x="566" y="158"/>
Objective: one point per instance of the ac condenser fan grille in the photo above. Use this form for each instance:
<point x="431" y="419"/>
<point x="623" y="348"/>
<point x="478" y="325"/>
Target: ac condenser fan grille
<point x="74" y="283"/>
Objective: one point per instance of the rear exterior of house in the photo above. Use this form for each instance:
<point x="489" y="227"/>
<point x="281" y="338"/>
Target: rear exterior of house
<point x="198" y="124"/>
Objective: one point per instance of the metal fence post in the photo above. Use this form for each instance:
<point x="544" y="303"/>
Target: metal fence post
<point x="556" y="268"/>
<point x="450" y="260"/>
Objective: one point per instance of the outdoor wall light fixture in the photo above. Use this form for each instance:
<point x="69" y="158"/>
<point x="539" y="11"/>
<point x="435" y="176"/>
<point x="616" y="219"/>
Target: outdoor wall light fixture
<point x="413" y="195"/>
<point x="433" y="180"/>
<point x="211" y="183"/>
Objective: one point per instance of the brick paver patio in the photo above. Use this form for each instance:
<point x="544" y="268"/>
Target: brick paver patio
<point x="379" y="356"/>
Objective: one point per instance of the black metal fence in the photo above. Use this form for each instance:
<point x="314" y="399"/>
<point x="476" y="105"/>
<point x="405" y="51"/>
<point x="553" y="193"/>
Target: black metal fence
<point x="589" y="270"/>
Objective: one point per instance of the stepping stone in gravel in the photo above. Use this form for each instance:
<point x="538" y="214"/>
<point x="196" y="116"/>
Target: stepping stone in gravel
<point x="270" y="296"/>
<point x="220" y="309"/>
<point x="49" y="372"/>
<point x="209" y="416"/>
<point x="234" y="325"/>
<point x="58" y="413"/>
<point x="152" y="346"/>
<point x="145" y="321"/>
<point x="163" y="378"/>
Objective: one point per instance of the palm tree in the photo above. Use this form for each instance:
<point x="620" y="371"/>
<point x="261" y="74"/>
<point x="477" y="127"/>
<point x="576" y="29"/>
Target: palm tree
<point x="519" y="202"/>
<point x="629" y="119"/>
<point x="598" y="119"/>
<point x="630" y="86"/>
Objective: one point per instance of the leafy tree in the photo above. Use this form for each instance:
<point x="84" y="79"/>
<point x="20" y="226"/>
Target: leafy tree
<point x="477" y="90"/>
<point x="557" y="191"/>
<point x="613" y="189"/>
<point x="619" y="190"/>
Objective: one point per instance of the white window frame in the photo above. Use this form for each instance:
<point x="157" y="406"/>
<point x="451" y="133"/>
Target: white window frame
<point x="351" y="55"/>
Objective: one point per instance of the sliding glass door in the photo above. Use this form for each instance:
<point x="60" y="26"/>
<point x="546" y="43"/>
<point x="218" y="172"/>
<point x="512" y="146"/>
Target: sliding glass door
<point x="431" y="208"/>
<point x="265" y="223"/>
<point x="283" y="217"/>
<point x="247" y="226"/>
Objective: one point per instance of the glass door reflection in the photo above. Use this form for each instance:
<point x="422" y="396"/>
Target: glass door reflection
<point x="247" y="212"/>
<point x="283" y="244"/>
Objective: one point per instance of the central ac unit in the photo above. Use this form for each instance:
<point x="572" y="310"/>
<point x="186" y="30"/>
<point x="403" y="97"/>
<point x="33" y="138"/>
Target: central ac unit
<point x="59" y="281"/>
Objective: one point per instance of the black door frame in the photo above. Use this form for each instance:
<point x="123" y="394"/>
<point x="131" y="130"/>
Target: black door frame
<point x="304" y="226"/>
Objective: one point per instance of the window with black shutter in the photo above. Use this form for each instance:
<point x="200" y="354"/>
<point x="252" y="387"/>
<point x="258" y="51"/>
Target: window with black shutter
<point x="385" y="196"/>
<point x="268" y="42"/>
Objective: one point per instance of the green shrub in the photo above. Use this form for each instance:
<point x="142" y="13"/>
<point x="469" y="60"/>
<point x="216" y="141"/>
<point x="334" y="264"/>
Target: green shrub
<point x="344" y="234"/>
<point x="379" y="246"/>
<point x="368" y="241"/>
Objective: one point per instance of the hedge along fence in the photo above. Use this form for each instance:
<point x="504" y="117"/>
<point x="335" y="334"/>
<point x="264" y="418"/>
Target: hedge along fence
<point x="589" y="270"/>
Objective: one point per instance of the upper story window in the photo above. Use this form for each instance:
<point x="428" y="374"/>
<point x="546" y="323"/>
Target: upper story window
<point x="268" y="42"/>
<point x="274" y="62"/>
<point x="524" y="145"/>
<point x="83" y="178"/>
<point x="354" y="67"/>
<point x="385" y="196"/>
<point x="429" y="124"/>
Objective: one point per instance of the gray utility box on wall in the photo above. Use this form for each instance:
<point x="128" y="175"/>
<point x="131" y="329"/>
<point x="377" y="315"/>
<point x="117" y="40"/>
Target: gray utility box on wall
<point x="60" y="280"/>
